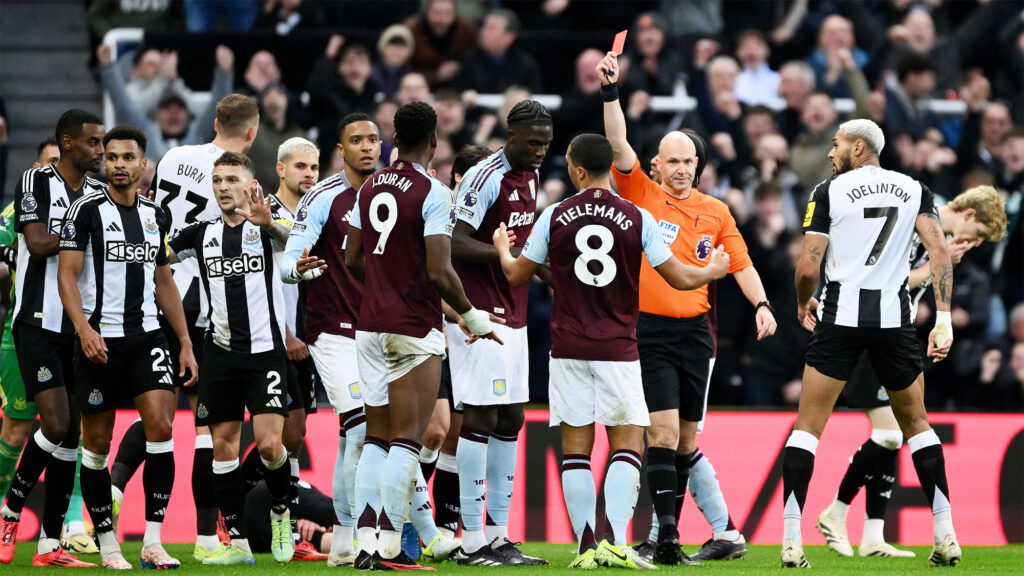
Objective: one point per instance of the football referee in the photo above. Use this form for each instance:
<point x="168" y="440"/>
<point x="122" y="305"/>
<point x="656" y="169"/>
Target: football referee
<point x="675" y="342"/>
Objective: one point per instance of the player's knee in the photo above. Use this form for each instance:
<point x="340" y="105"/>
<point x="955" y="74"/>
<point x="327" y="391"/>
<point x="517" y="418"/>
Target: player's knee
<point x="663" y="436"/>
<point x="270" y="448"/>
<point x="686" y="445"/>
<point x="158" y="431"/>
<point x="434" y="436"/>
<point x="94" y="460"/>
<point x="889" y="439"/>
<point x="54" y="426"/>
<point x="510" y="420"/>
<point x="16" y="432"/>
<point x="483" y="418"/>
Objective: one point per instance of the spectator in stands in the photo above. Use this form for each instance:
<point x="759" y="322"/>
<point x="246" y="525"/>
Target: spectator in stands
<point x="575" y="115"/>
<point x="771" y="166"/>
<point x="930" y="161"/>
<point x="692" y="18"/>
<point x="339" y="85"/>
<point x="1001" y="374"/>
<point x="154" y="74"/>
<point x="209" y="15"/>
<point x="497" y="63"/>
<point x="275" y="128"/>
<point x="758" y="121"/>
<point x="796" y="82"/>
<point x="394" y="49"/>
<point x="441" y="38"/>
<point x="906" y="102"/>
<point x="773" y="364"/>
<point x="174" y="125"/>
<point x="413" y="88"/>
<point x="756" y="83"/>
<point x="916" y="35"/>
<point x="1011" y="178"/>
<point x="384" y="117"/>
<point x="262" y="72"/>
<point x="656" y="66"/>
<point x="985" y="126"/>
<point x="285" y="16"/>
<point x="818" y="119"/>
<point x="714" y="87"/>
<point x="835" y="35"/>
<point x="451" y="119"/>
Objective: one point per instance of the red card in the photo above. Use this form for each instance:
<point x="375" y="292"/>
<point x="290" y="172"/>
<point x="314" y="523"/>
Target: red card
<point x="619" y="43"/>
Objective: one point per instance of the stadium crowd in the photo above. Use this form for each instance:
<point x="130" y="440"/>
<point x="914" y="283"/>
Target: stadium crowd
<point x="770" y="83"/>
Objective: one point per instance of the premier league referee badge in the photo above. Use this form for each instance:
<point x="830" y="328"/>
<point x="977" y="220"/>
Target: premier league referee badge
<point x="704" y="247"/>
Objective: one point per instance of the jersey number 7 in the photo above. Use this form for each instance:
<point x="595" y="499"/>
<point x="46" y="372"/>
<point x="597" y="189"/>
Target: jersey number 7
<point x="890" y="213"/>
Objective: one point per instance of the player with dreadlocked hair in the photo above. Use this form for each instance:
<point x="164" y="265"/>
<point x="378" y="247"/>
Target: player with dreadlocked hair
<point x="490" y="382"/>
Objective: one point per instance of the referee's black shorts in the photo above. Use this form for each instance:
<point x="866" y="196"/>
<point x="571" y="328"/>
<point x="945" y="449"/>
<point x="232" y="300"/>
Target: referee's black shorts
<point x="675" y="363"/>
<point x="864" y="390"/>
<point x="893" y="353"/>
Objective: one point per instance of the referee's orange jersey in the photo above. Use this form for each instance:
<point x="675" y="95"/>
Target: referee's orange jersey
<point x="692" y="227"/>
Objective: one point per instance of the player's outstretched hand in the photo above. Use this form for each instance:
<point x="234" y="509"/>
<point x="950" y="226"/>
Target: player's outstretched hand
<point x="259" y="207"/>
<point x="718" y="264"/>
<point x="608" y="69"/>
<point x="93" y="346"/>
<point x="939" y="343"/>
<point x="478" y="323"/>
<point x="503" y="239"/>
<point x="189" y="366"/>
<point x="309" y="267"/>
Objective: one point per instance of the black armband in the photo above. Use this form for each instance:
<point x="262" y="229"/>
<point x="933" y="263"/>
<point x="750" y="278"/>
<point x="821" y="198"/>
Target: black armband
<point x="609" y="92"/>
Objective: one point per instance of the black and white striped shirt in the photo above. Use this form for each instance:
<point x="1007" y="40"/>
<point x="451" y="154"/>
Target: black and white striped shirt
<point x="240" y="280"/>
<point x="123" y="245"/>
<point x="42" y="196"/>
<point x="184" y="190"/>
<point x="869" y="215"/>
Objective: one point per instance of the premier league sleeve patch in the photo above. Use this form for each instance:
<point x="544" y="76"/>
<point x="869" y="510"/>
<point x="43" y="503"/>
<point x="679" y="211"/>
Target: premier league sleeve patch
<point x="704" y="247"/>
<point x="28" y="203"/>
<point x="69" y="232"/>
<point x="303" y="213"/>
<point x="471" y="198"/>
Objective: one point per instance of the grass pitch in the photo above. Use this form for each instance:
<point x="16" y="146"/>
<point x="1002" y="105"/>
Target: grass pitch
<point x="760" y="560"/>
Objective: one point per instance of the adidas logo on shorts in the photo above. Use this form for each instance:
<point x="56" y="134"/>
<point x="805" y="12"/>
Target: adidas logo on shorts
<point x="274" y="403"/>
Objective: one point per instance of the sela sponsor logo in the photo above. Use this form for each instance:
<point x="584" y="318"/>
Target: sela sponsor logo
<point x="239" y="265"/>
<point x="520" y="219"/>
<point x="121" y="251"/>
<point x="56" y="225"/>
<point x="703" y="249"/>
<point x="669" y="231"/>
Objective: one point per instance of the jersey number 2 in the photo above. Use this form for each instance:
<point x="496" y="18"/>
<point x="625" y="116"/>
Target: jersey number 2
<point x="890" y="213"/>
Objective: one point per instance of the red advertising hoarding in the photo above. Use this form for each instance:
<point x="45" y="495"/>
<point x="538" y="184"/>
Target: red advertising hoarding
<point x="984" y="459"/>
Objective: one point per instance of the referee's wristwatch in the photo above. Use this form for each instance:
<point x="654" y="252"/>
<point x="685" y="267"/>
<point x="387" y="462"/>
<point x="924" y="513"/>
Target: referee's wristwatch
<point x="765" y="304"/>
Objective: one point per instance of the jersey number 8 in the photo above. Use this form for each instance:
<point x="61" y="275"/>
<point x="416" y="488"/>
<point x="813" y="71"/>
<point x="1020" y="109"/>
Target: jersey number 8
<point x="598" y="255"/>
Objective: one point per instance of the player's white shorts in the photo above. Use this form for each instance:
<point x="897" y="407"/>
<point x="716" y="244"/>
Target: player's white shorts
<point x="385" y="357"/>
<point x="336" y="362"/>
<point x="486" y="373"/>
<point x="583" y="392"/>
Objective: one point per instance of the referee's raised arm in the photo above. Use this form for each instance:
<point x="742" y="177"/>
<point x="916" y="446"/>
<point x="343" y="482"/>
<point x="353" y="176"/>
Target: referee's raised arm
<point x="614" y="120"/>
